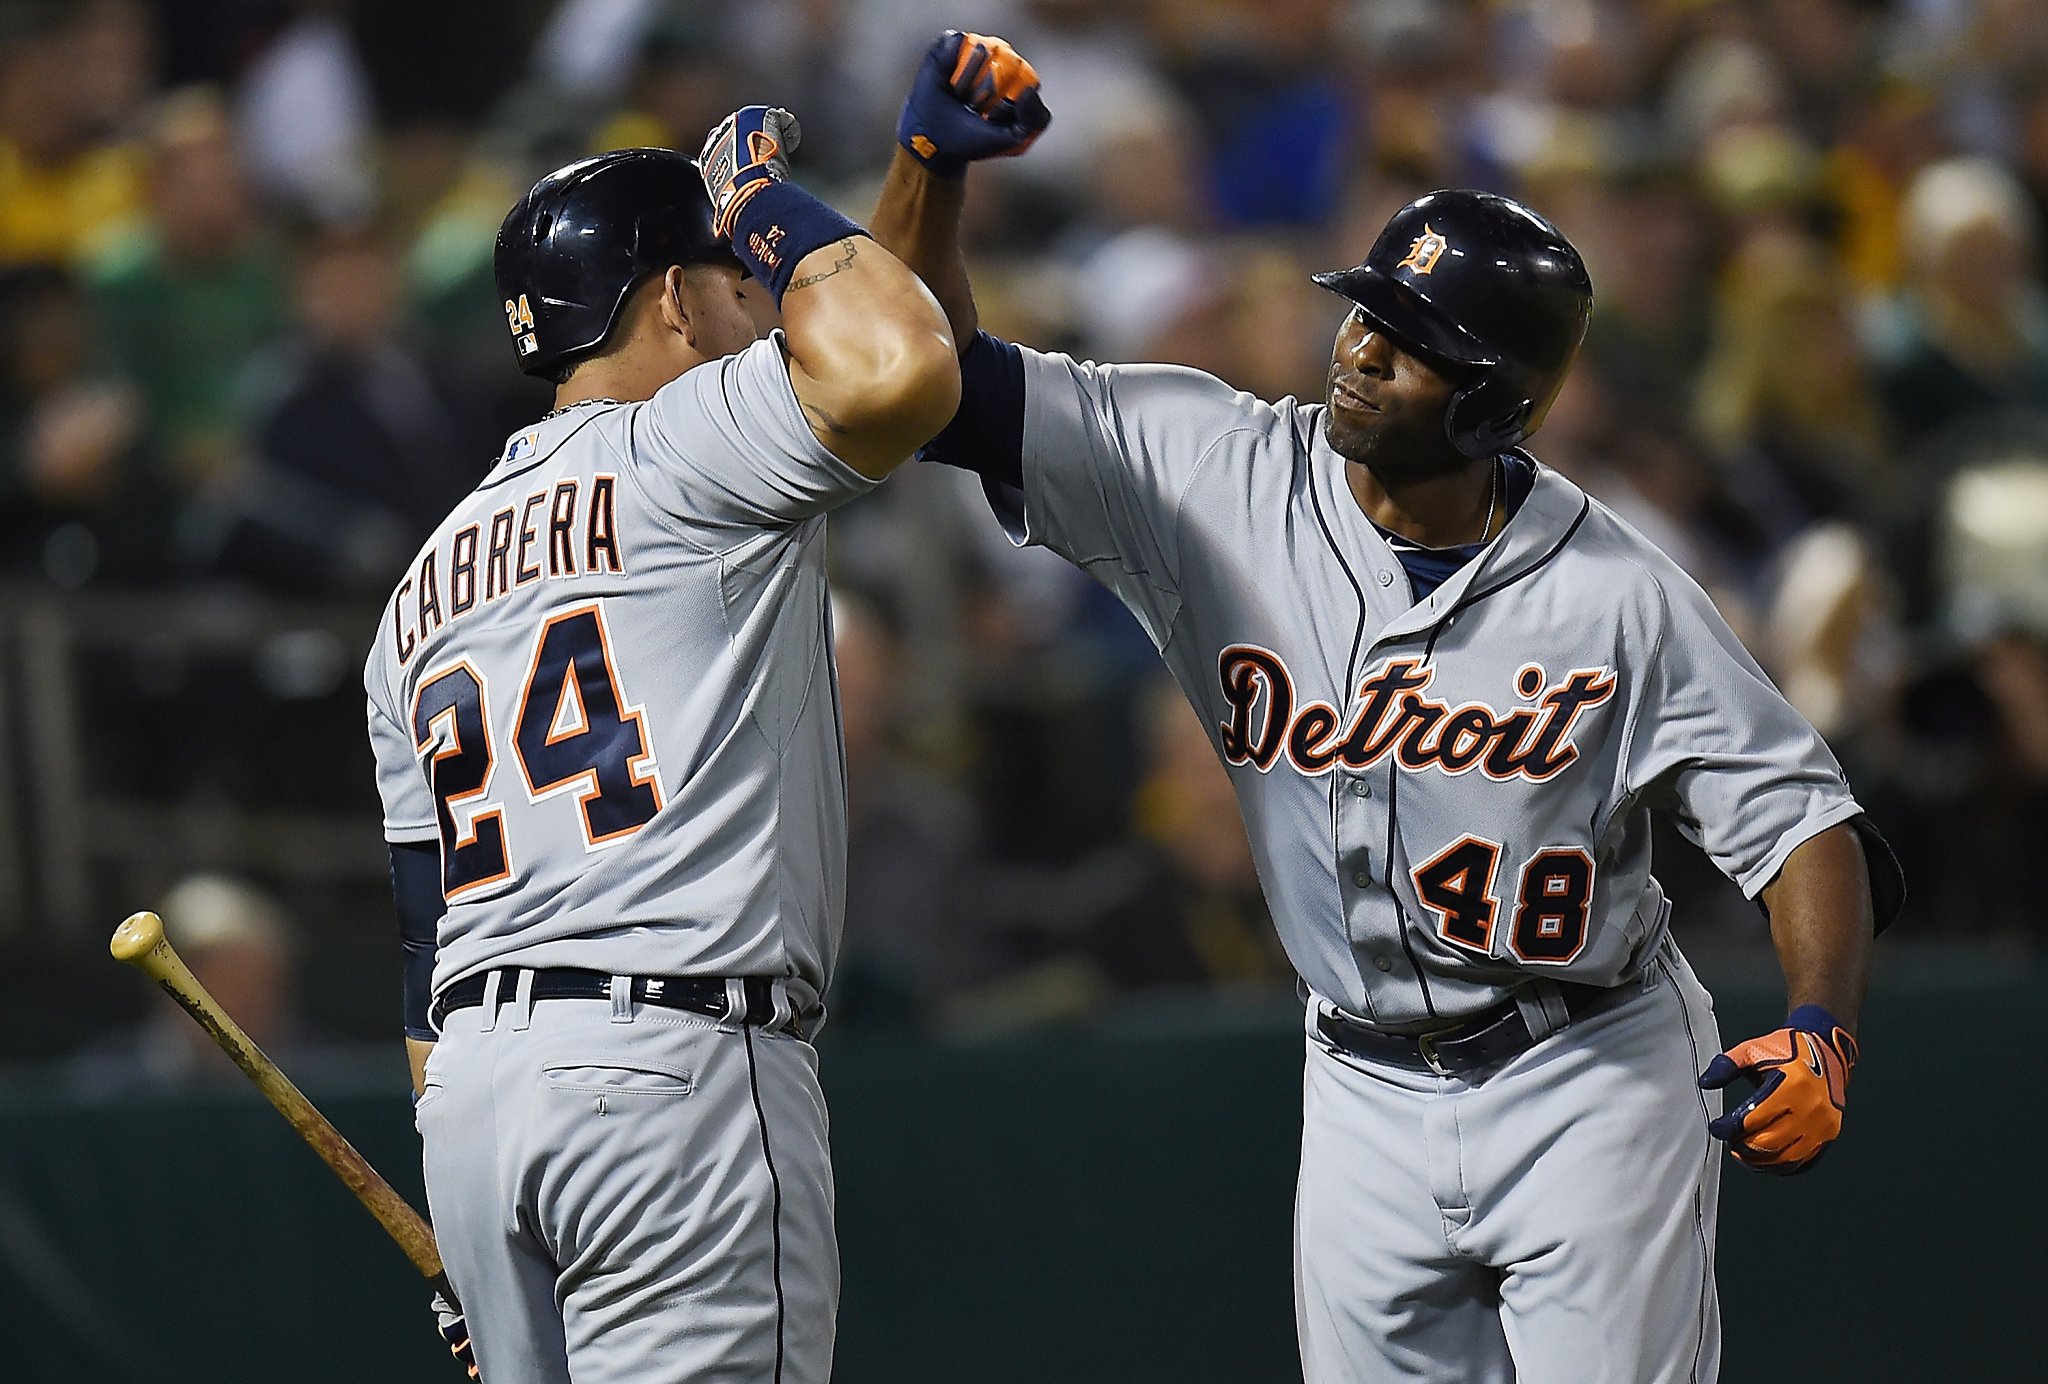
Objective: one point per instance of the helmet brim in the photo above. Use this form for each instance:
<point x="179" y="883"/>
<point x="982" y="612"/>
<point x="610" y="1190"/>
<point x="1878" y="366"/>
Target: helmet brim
<point x="1407" y="316"/>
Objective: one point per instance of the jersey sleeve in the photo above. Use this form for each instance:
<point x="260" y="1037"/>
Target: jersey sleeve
<point x="1109" y="451"/>
<point x="1710" y="738"/>
<point x="408" y="801"/>
<point x="727" y="444"/>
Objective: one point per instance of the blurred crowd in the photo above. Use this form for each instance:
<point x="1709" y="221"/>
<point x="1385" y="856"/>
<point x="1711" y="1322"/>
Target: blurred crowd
<point x="249" y="342"/>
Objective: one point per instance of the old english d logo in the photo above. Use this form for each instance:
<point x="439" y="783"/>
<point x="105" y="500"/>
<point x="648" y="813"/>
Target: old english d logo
<point x="1423" y="254"/>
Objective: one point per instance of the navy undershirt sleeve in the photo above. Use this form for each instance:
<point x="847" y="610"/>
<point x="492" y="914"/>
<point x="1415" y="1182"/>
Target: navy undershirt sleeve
<point x="986" y="435"/>
<point x="416" y="889"/>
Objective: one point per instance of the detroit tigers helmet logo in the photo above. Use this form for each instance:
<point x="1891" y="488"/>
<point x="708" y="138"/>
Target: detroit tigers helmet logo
<point x="1425" y="252"/>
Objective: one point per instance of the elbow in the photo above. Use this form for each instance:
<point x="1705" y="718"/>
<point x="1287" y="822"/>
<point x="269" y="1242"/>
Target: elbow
<point x="915" y="390"/>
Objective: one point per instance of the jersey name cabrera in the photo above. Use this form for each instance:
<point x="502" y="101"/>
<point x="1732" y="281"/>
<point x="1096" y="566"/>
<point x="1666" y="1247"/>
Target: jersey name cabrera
<point x="604" y="687"/>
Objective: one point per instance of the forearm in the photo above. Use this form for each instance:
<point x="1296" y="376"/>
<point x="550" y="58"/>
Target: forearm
<point x="1820" y="912"/>
<point x="918" y="221"/>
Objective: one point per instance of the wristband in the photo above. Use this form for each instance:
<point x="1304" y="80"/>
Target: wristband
<point x="777" y="226"/>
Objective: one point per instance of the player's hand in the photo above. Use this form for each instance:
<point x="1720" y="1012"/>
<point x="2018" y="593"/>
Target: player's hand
<point x="974" y="98"/>
<point x="455" y="1331"/>
<point x="1802" y="1075"/>
<point x="745" y="152"/>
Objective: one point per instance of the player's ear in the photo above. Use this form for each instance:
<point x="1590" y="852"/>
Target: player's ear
<point x="675" y="316"/>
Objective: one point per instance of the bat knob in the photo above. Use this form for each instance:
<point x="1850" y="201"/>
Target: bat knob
<point x="137" y="936"/>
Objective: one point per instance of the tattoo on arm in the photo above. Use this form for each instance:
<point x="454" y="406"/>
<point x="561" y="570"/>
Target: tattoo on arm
<point x="849" y="248"/>
<point x="822" y="418"/>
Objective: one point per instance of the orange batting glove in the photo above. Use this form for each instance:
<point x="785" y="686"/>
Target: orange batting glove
<point x="1802" y="1075"/>
<point x="974" y="97"/>
<point x="455" y="1331"/>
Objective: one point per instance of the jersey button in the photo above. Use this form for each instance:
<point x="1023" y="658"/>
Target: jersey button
<point x="1384" y="963"/>
<point x="1361" y="879"/>
<point x="1361" y="789"/>
<point x="1386" y="577"/>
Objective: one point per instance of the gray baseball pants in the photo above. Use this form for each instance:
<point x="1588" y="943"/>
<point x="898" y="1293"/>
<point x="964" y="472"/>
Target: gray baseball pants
<point x="632" y="1195"/>
<point x="1549" y="1222"/>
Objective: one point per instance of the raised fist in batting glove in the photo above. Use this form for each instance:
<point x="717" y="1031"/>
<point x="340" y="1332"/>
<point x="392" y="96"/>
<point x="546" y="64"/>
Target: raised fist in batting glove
<point x="1802" y="1075"/>
<point x="974" y="98"/>
<point x="748" y="150"/>
<point x="455" y="1331"/>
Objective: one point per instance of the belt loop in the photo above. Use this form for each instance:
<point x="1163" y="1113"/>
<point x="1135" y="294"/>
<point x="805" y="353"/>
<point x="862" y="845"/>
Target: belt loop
<point x="622" y="999"/>
<point x="522" y="1000"/>
<point x="492" y="980"/>
<point x="1543" y="1008"/>
<point x="735" y="1004"/>
<point x="782" y="1009"/>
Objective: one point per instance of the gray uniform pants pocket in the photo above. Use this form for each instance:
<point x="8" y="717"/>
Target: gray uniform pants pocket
<point x="650" y="1200"/>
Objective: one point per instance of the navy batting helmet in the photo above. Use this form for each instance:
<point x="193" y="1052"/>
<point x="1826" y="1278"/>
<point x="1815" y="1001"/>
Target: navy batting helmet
<point x="579" y="242"/>
<point x="1482" y="285"/>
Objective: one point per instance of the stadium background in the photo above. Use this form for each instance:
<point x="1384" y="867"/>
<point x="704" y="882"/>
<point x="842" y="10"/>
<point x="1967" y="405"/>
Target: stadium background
<point x="249" y="352"/>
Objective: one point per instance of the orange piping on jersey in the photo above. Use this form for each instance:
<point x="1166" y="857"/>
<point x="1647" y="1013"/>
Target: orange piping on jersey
<point x="400" y="634"/>
<point x="478" y="821"/>
<point x="1543" y="929"/>
<point x="430" y="594"/>
<point x="602" y="535"/>
<point x="528" y="536"/>
<point x="641" y="769"/>
<point x="462" y="571"/>
<point x="561" y="521"/>
<point x="497" y="560"/>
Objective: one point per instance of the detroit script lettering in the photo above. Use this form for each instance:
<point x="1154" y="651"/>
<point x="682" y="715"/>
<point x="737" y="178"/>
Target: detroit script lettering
<point x="1394" y="716"/>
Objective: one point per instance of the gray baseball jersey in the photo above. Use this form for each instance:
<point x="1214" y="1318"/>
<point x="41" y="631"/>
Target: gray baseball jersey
<point x="606" y="686"/>
<point x="1449" y="800"/>
<point x="1446" y="796"/>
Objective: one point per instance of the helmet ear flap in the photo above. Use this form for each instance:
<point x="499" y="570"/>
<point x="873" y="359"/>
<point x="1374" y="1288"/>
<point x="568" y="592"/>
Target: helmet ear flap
<point x="1488" y="415"/>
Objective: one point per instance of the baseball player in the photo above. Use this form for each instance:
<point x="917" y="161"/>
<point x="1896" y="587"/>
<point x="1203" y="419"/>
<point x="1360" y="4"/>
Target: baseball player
<point x="608" y="744"/>
<point x="1449" y="687"/>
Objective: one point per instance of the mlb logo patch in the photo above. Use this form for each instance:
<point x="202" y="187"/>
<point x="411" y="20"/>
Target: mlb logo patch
<point x="522" y="446"/>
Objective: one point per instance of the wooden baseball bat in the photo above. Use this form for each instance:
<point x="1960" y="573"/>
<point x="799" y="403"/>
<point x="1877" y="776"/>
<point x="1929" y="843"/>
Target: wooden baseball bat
<point x="140" y="942"/>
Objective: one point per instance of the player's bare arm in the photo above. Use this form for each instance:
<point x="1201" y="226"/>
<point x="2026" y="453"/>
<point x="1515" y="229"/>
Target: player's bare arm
<point x="1822" y="921"/>
<point x="1820" y="913"/>
<point x="917" y="218"/>
<point x="871" y="359"/>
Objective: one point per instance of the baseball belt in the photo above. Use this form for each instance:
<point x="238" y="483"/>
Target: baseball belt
<point x="706" y="995"/>
<point x="1481" y="1040"/>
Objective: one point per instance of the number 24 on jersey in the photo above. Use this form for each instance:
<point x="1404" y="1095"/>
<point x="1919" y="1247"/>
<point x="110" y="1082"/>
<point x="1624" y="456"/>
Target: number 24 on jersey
<point x="573" y="732"/>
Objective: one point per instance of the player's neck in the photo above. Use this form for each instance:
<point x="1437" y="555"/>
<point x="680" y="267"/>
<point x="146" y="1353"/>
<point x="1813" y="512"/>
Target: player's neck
<point x="628" y="377"/>
<point x="1440" y="510"/>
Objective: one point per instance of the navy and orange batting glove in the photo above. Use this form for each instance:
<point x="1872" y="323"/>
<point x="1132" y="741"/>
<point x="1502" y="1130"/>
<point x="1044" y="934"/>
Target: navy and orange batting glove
<point x="1802" y="1075"/>
<point x="975" y="97"/>
<point x="455" y="1331"/>
<point x="746" y="152"/>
